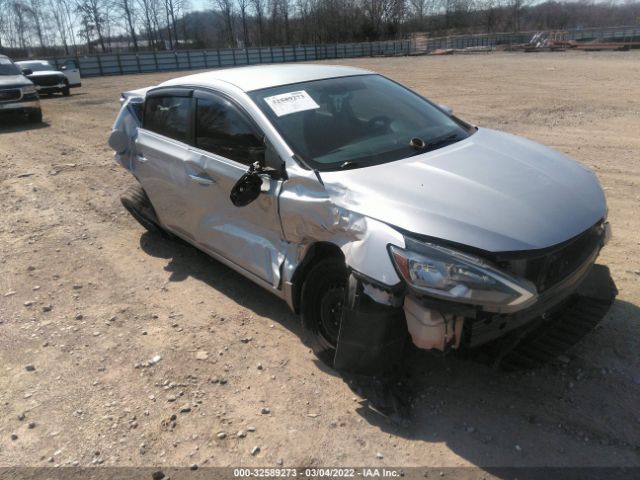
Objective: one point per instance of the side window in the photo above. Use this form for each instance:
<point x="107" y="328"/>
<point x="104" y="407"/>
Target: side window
<point x="168" y="116"/>
<point x="222" y="129"/>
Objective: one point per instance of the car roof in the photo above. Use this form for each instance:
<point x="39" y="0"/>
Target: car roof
<point x="265" y="76"/>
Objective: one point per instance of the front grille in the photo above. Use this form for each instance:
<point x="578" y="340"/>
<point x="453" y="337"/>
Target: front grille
<point x="10" y="95"/>
<point x="47" y="80"/>
<point x="553" y="266"/>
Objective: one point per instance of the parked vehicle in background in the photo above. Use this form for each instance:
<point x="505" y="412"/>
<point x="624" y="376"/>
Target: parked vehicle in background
<point x="17" y="93"/>
<point x="373" y="212"/>
<point x="46" y="77"/>
<point x="72" y="72"/>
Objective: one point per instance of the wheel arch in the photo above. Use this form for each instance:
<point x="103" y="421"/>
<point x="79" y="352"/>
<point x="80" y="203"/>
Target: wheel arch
<point x="315" y="252"/>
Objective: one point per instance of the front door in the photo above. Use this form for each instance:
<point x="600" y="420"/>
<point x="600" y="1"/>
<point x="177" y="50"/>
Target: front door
<point x="225" y="144"/>
<point x="72" y="72"/>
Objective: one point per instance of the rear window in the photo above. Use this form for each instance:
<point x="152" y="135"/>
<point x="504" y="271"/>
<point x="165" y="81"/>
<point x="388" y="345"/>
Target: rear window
<point x="168" y="116"/>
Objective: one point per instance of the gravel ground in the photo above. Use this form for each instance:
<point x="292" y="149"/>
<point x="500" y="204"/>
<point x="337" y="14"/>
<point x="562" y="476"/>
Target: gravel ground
<point x="122" y="348"/>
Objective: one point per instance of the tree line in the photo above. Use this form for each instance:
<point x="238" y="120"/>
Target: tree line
<point x="76" y="27"/>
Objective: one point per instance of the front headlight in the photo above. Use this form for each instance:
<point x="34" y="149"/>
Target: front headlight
<point x="28" y="89"/>
<point x="451" y="275"/>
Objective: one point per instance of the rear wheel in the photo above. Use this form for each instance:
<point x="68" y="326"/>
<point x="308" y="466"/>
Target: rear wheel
<point x="137" y="203"/>
<point x="322" y="301"/>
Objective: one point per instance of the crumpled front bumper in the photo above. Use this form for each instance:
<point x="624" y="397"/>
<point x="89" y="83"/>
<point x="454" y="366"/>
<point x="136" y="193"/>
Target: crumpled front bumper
<point x="373" y="336"/>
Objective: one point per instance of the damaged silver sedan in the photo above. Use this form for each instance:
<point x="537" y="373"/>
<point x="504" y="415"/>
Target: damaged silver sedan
<point x="376" y="214"/>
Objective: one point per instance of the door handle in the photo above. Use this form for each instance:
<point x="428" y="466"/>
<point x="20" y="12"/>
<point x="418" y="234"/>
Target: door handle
<point x="141" y="158"/>
<point x="202" y="179"/>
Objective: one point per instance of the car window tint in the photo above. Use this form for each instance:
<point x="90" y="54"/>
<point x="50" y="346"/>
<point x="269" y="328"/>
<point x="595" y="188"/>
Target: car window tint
<point x="222" y="129"/>
<point x="168" y="116"/>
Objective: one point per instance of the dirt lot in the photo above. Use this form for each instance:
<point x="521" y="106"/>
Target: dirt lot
<point x="87" y="297"/>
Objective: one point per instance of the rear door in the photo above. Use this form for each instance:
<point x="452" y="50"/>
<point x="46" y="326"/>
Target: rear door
<point x="162" y="151"/>
<point x="226" y="141"/>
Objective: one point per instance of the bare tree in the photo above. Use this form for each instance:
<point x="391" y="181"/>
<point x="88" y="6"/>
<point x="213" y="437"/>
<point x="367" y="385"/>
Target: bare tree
<point x="94" y="18"/>
<point x="65" y="9"/>
<point x="4" y="10"/>
<point x="258" y="10"/>
<point x="243" y="6"/>
<point x="227" y="11"/>
<point x="150" y="17"/>
<point x="172" y="10"/>
<point x="58" y="17"/>
<point x="516" y="7"/>
<point x="491" y="14"/>
<point x="36" y="9"/>
<point x="20" y="14"/>
<point x="127" y="7"/>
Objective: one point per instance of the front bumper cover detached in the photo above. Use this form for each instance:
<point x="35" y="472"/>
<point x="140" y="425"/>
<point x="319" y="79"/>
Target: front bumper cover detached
<point x="373" y="336"/>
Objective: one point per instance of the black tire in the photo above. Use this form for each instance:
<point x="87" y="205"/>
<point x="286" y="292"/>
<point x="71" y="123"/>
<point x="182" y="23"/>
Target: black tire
<point x="66" y="91"/>
<point x="322" y="299"/>
<point x="35" y="116"/>
<point x="136" y="202"/>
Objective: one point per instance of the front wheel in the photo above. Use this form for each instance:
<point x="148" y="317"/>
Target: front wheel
<point x="322" y="301"/>
<point x="66" y="91"/>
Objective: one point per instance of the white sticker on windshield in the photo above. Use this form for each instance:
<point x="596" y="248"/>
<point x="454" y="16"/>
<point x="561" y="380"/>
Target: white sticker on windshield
<point x="292" y="102"/>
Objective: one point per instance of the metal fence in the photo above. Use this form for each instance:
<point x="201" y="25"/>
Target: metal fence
<point x="607" y="34"/>
<point x="145" y="62"/>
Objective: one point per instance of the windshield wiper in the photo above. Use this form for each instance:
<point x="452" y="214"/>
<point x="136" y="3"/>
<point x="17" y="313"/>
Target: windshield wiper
<point x="441" y="142"/>
<point x="349" y="164"/>
<point x="419" y="144"/>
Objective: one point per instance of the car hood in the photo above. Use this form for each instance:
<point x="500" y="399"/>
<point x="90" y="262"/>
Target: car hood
<point x="46" y="73"/>
<point x="492" y="191"/>
<point x="14" y="80"/>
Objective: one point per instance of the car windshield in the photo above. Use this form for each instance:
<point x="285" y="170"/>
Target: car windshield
<point x="358" y="121"/>
<point x="8" y="68"/>
<point x="37" y="66"/>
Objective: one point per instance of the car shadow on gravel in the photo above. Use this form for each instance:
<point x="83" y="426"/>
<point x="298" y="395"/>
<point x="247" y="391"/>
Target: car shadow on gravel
<point x="549" y="415"/>
<point x="60" y="97"/>
<point x="187" y="261"/>
<point x="15" y="123"/>
<point x="574" y="410"/>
